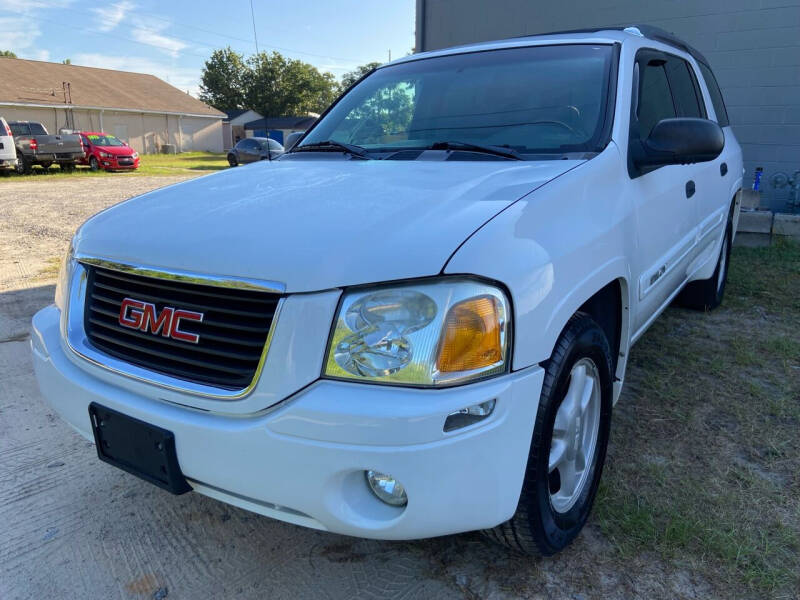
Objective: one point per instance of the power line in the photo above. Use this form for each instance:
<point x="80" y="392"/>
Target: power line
<point x="354" y="61"/>
<point x="247" y="41"/>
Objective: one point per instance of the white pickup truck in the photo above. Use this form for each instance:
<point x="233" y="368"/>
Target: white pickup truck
<point x="417" y="321"/>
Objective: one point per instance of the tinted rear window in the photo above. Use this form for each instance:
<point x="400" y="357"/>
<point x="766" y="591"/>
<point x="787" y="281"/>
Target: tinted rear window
<point x="20" y="129"/>
<point x="683" y="89"/>
<point x="716" y="95"/>
<point x="37" y="129"/>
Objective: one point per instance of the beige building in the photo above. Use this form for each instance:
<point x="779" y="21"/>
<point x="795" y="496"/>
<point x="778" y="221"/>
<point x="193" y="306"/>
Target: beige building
<point x="141" y="109"/>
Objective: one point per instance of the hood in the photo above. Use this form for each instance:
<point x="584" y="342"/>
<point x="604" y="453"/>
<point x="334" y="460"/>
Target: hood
<point x="314" y="224"/>
<point x="117" y="150"/>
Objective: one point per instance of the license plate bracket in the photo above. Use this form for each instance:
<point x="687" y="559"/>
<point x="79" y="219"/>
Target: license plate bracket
<point x="135" y="446"/>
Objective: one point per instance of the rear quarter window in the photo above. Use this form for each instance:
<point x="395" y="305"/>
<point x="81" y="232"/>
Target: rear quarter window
<point x="716" y="95"/>
<point x="20" y="129"/>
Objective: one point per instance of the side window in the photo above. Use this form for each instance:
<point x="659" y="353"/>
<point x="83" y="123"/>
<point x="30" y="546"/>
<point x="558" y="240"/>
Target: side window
<point x="20" y="129"/>
<point x="655" y="99"/>
<point x="684" y="90"/>
<point x="716" y="95"/>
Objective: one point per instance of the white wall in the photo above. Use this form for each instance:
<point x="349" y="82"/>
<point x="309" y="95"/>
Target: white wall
<point x="145" y="133"/>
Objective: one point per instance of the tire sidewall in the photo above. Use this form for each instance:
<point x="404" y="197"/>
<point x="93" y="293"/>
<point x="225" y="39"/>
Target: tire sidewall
<point x="94" y="164"/>
<point x="561" y="528"/>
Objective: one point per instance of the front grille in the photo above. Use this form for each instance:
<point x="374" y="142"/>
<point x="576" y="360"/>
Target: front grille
<point x="125" y="160"/>
<point x="232" y="334"/>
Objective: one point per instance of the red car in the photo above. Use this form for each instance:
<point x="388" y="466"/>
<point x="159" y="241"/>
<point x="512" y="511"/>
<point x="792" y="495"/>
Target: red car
<point x="104" y="151"/>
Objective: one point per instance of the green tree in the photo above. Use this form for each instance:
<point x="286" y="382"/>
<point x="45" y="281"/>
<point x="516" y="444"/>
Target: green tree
<point x="269" y="83"/>
<point x="351" y="77"/>
<point x="277" y="86"/>
<point x="223" y="80"/>
<point x="7" y="54"/>
<point x="66" y="61"/>
<point x="387" y="111"/>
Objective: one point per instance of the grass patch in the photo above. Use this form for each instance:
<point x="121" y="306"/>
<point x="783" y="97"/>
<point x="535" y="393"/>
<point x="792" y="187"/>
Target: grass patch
<point x="185" y="163"/>
<point x="50" y="269"/>
<point x="704" y="463"/>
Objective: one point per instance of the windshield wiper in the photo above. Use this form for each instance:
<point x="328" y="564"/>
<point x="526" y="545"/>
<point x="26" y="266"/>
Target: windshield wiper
<point x="485" y="149"/>
<point x="351" y="149"/>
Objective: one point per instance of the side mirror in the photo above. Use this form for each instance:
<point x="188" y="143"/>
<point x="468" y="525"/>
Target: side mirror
<point x="291" y="140"/>
<point x="679" y="141"/>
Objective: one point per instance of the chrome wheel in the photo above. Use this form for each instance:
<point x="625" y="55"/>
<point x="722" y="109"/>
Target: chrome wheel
<point x="723" y="259"/>
<point x="575" y="434"/>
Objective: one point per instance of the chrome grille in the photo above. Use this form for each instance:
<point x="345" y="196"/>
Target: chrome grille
<point x="232" y="334"/>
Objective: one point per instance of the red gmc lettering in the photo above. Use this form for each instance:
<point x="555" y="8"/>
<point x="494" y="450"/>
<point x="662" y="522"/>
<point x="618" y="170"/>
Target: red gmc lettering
<point x="155" y="324"/>
<point x="131" y="318"/>
<point x="135" y="314"/>
<point x="184" y="336"/>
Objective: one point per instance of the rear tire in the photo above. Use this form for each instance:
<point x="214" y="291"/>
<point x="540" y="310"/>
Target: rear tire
<point x="551" y="512"/>
<point x="23" y="166"/>
<point x="707" y="294"/>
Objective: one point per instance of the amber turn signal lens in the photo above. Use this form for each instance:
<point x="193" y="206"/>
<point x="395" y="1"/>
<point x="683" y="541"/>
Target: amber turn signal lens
<point x="472" y="336"/>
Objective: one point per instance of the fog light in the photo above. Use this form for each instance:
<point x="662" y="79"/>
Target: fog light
<point x="468" y="416"/>
<point x="386" y="488"/>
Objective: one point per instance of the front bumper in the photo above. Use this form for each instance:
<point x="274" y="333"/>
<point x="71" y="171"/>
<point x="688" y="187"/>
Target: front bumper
<point x="114" y="164"/>
<point x="303" y="460"/>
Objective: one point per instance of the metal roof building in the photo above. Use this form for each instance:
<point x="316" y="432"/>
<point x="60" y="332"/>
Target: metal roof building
<point x="138" y="108"/>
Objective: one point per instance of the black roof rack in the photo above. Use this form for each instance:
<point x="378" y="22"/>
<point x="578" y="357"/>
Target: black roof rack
<point x="649" y="32"/>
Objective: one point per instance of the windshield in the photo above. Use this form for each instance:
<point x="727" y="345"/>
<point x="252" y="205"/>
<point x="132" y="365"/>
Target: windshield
<point x="540" y="99"/>
<point x="104" y="140"/>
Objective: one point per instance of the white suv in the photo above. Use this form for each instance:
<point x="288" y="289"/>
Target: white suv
<point x="416" y="322"/>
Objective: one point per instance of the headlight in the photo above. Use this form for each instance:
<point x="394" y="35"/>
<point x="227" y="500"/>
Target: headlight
<point x="427" y="333"/>
<point x="64" y="275"/>
<point x="135" y="155"/>
<point x="105" y="155"/>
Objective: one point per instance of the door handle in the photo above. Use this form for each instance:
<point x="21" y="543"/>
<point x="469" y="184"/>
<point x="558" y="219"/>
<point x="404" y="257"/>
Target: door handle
<point x="723" y="169"/>
<point x="689" y="188"/>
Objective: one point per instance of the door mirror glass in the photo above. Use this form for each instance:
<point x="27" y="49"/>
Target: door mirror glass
<point x="679" y="141"/>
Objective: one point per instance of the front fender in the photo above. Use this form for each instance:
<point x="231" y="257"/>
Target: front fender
<point x="554" y="250"/>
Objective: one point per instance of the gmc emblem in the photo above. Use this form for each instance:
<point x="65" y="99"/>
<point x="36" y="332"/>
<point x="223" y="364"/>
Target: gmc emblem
<point x="135" y="314"/>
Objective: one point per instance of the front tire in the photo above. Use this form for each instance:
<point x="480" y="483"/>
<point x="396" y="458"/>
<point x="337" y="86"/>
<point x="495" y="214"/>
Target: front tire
<point x="707" y="294"/>
<point x="93" y="164"/>
<point x="232" y="160"/>
<point x="569" y="444"/>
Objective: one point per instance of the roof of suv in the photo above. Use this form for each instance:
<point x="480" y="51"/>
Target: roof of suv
<point x="592" y="35"/>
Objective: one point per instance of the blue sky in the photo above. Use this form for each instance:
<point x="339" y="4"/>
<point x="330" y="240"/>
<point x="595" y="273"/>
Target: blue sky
<point x="172" y="38"/>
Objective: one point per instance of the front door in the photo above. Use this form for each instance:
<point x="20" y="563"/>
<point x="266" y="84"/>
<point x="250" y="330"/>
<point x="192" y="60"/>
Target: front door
<point x="664" y="197"/>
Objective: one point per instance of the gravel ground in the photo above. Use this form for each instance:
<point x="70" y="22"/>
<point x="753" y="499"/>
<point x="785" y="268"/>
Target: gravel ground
<point x="73" y="527"/>
<point x="38" y="217"/>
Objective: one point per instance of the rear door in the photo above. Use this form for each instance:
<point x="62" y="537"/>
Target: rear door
<point x="665" y="202"/>
<point x="725" y="172"/>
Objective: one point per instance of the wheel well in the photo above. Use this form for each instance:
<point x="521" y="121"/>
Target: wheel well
<point x="605" y="307"/>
